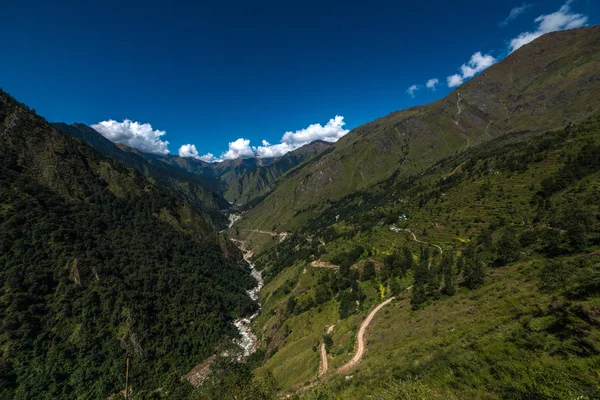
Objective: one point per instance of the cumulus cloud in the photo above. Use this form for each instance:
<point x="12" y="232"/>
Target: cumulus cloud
<point x="412" y="90"/>
<point x="557" y="21"/>
<point x="515" y="12"/>
<point x="331" y="132"/>
<point x="133" y="134"/>
<point x="454" y="80"/>
<point x="476" y="64"/>
<point x="241" y="148"/>
<point x="188" y="150"/>
<point x="432" y="83"/>
<point x="209" y="157"/>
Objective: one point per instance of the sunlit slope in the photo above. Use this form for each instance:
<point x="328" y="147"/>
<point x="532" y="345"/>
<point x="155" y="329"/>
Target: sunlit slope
<point x="546" y="84"/>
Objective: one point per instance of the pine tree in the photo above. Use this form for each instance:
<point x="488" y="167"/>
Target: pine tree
<point x="368" y="271"/>
<point x="418" y="296"/>
<point x="448" y="273"/>
<point x="407" y="260"/>
<point x="474" y="271"/>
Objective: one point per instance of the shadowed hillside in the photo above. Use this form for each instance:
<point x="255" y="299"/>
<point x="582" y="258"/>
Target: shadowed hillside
<point x="96" y="262"/>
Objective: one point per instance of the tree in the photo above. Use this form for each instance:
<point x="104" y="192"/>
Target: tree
<point x="290" y="306"/>
<point x="407" y="260"/>
<point x="368" y="271"/>
<point x="460" y="265"/>
<point x="507" y="248"/>
<point x="474" y="271"/>
<point x="322" y="294"/>
<point x="347" y="305"/>
<point x="390" y="263"/>
<point x="395" y="287"/>
<point x="418" y="296"/>
<point x="327" y="341"/>
<point x="448" y="273"/>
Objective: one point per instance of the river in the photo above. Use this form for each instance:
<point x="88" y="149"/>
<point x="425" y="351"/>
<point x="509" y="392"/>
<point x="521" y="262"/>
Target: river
<point x="248" y="340"/>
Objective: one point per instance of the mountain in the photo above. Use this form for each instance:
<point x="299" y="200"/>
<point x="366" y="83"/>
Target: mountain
<point x="447" y="251"/>
<point x="260" y="181"/>
<point x="200" y="191"/>
<point x="550" y="82"/>
<point x="207" y="186"/>
<point x="489" y="263"/>
<point x="96" y="261"/>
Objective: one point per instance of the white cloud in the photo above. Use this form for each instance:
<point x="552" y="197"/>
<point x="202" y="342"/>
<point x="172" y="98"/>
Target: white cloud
<point x="557" y="21"/>
<point x="209" y="157"/>
<point x="515" y="12"/>
<point x="268" y="150"/>
<point x="432" y="83"/>
<point x="241" y="148"/>
<point x="411" y="90"/>
<point x="455" y="80"/>
<point x="476" y="64"/>
<point x="133" y="134"/>
<point x="331" y="132"/>
<point x="188" y="150"/>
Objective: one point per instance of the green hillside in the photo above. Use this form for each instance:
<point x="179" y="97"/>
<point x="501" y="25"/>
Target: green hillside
<point x="509" y="311"/>
<point x="200" y="191"/>
<point x="260" y="181"/>
<point x="97" y="262"/>
<point x="446" y="251"/>
<point x="544" y="85"/>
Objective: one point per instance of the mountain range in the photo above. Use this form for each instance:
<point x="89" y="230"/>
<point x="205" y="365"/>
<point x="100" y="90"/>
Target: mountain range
<point x="445" y="251"/>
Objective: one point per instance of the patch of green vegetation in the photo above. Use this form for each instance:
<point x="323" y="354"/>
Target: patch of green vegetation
<point x="512" y="295"/>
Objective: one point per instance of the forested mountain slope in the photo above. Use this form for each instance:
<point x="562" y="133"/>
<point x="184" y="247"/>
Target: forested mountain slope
<point x="95" y="262"/>
<point x="209" y="187"/>
<point x="200" y="191"/>
<point x="493" y="257"/>
<point x="546" y="84"/>
<point x="260" y="181"/>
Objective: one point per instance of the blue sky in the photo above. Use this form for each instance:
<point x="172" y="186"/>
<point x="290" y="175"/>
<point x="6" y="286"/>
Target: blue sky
<point x="210" y="74"/>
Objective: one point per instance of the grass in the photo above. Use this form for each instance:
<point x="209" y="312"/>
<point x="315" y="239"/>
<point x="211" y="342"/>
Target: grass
<point x="496" y="341"/>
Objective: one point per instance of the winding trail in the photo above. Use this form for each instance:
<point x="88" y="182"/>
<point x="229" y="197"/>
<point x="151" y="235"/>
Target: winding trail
<point x="360" y="339"/>
<point x="324" y="264"/>
<point x="324" y="363"/>
<point x="396" y="229"/>
<point x="281" y="235"/>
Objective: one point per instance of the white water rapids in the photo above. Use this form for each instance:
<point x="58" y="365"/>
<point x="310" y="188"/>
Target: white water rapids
<point x="248" y="341"/>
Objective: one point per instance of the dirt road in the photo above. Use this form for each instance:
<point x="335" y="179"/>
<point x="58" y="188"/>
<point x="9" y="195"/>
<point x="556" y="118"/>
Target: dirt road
<point x="324" y="264"/>
<point x="360" y="339"/>
<point x="281" y="235"/>
<point x="324" y="364"/>
<point x="396" y="229"/>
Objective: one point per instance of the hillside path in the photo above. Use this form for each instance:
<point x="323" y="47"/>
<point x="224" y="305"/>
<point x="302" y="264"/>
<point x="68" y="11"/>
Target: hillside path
<point x="396" y="229"/>
<point x="281" y="235"/>
<point x="324" y="264"/>
<point x="324" y="363"/>
<point x="360" y="339"/>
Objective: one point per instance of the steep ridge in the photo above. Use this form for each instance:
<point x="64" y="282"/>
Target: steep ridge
<point x="208" y="186"/>
<point x="261" y="181"/>
<point x="545" y="84"/>
<point x="200" y="191"/>
<point x="96" y="262"/>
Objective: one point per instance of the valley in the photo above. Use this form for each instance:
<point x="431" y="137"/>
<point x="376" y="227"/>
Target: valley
<point x="445" y="251"/>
